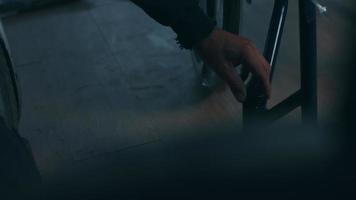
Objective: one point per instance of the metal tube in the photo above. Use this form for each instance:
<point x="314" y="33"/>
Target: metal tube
<point x="232" y="15"/>
<point x="211" y="8"/>
<point x="275" y="32"/>
<point x="256" y="102"/>
<point x="284" y="107"/>
<point x="308" y="53"/>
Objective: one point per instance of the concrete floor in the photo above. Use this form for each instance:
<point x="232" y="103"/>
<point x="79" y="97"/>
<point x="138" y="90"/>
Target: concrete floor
<point x="102" y="83"/>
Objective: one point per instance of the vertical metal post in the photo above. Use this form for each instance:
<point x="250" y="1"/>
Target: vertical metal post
<point x="211" y="8"/>
<point x="232" y="15"/>
<point x="9" y="94"/>
<point x="308" y="53"/>
<point x="275" y="33"/>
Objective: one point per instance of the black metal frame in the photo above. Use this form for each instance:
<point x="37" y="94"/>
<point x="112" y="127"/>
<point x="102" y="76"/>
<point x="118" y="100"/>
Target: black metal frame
<point x="255" y="108"/>
<point x="10" y="68"/>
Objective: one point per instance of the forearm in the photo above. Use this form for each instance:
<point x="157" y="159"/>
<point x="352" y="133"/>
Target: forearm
<point x="184" y="16"/>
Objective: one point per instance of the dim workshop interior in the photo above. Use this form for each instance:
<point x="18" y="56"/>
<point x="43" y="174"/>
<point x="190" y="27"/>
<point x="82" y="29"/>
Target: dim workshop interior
<point x="98" y="101"/>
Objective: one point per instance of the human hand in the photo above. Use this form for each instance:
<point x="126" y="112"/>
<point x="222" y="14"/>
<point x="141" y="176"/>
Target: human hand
<point x="223" y="51"/>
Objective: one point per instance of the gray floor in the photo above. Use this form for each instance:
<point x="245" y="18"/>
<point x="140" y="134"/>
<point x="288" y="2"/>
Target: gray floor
<point x="100" y="77"/>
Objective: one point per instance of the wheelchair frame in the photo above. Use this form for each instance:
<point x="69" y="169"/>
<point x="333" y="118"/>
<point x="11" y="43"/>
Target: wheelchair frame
<point x="255" y="107"/>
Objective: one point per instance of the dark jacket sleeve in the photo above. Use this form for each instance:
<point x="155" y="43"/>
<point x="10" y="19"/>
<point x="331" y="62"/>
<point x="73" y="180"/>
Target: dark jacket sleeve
<point x="184" y="16"/>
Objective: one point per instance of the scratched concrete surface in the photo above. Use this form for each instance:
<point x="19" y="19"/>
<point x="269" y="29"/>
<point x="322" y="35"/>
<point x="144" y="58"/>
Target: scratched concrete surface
<point x="99" y="77"/>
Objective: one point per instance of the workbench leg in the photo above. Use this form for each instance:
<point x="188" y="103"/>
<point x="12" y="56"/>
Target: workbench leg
<point x="308" y="53"/>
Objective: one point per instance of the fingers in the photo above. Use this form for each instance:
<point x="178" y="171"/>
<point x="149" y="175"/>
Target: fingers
<point x="258" y="65"/>
<point x="243" y="51"/>
<point x="237" y="87"/>
<point x="227" y="72"/>
<point x="223" y="50"/>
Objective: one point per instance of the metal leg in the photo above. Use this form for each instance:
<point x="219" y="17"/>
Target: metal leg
<point x="10" y="107"/>
<point x="308" y="52"/>
<point x="231" y="17"/>
<point x="255" y="106"/>
<point x="211" y="8"/>
<point x="275" y="32"/>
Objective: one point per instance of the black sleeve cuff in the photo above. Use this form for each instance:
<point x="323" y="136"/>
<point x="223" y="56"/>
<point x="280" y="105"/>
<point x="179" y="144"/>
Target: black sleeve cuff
<point x="192" y="27"/>
<point x="184" y="16"/>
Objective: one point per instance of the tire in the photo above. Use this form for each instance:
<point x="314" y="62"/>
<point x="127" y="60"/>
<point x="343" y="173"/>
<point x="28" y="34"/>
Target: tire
<point x="226" y="13"/>
<point x="9" y="96"/>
